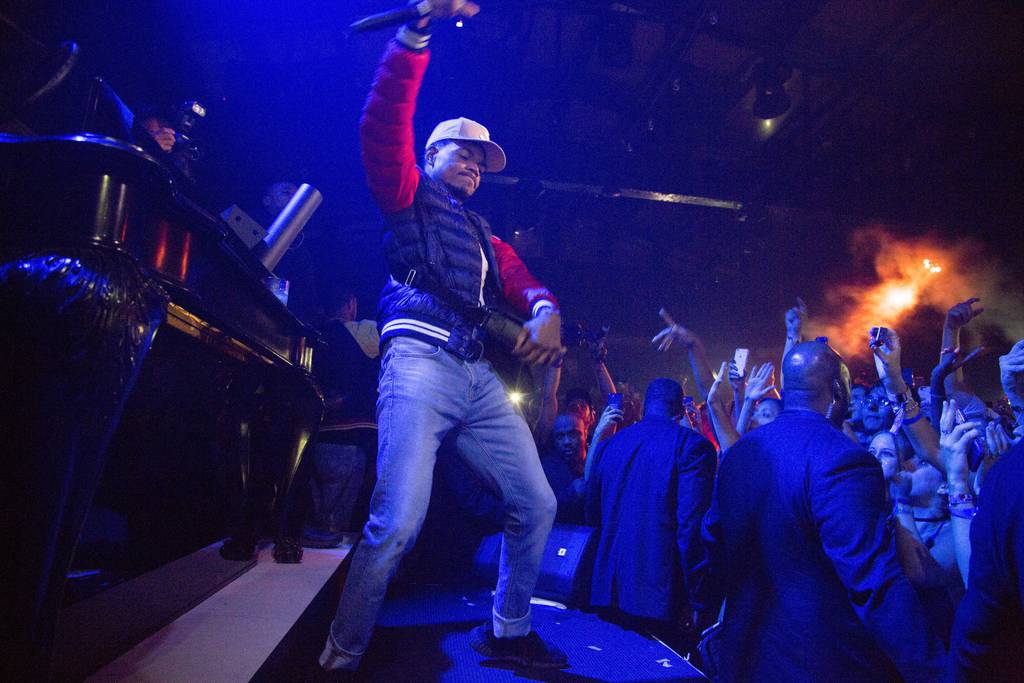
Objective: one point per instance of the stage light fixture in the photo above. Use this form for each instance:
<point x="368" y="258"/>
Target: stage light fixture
<point x="771" y="100"/>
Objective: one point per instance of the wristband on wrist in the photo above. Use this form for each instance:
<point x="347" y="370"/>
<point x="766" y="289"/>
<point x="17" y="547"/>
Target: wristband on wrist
<point x="413" y="38"/>
<point x="962" y="499"/>
<point x="914" y="419"/>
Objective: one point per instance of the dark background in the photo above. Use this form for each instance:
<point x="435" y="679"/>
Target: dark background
<point x="905" y="115"/>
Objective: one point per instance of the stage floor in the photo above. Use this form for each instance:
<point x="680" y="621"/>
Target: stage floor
<point x="228" y="636"/>
<point x="270" y="624"/>
<point x="423" y="635"/>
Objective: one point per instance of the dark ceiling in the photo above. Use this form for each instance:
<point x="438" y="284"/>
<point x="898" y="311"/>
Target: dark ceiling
<point x="903" y="112"/>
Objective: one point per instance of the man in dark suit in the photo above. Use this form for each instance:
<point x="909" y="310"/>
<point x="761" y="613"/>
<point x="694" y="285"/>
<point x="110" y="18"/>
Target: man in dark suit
<point x="801" y="540"/>
<point x="647" y="490"/>
<point x="989" y="627"/>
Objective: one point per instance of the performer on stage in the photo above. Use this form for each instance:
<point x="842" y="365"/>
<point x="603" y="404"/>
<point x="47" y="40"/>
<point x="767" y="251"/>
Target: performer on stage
<point x="434" y="379"/>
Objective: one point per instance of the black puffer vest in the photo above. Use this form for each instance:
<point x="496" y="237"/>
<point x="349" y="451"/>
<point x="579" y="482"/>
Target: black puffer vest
<point x="433" y="244"/>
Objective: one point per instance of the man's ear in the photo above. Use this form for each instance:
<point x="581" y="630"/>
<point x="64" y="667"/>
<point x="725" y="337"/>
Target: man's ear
<point x="428" y="156"/>
<point x="841" y="393"/>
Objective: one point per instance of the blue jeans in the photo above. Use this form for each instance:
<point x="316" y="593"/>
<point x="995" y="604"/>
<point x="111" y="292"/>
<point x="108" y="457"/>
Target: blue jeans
<point x="425" y="393"/>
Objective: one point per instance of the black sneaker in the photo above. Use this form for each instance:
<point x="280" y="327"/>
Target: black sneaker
<point x="529" y="650"/>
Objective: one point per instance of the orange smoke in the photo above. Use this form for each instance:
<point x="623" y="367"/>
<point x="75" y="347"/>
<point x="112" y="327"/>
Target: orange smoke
<point x="912" y="272"/>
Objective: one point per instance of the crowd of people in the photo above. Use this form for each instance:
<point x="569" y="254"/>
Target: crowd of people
<point x="842" y="511"/>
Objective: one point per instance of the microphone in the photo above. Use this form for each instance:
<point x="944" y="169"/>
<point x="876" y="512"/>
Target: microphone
<point x="395" y="17"/>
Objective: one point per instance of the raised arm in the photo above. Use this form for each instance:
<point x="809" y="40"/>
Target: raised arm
<point x="598" y="353"/>
<point x="949" y="364"/>
<point x="922" y="437"/>
<point x="738" y="381"/>
<point x="796" y="320"/>
<point x="674" y="333"/>
<point x="610" y="417"/>
<point x="385" y="128"/>
<point x="1011" y="375"/>
<point x="719" y="398"/>
<point x="548" y="409"/>
<point x="954" y="442"/>
<point x="957" y="318"/>
<point x="761" y="384"/>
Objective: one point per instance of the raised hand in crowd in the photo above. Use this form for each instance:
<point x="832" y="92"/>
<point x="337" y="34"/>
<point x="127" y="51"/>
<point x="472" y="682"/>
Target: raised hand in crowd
<point x="761" y="382"/>
<point x="598" y="349"/>
<point x="760" y="385"/>
<point x="956" y="318"/>
<point x="885" y="345"/>
<point x="446" y="9"/>
<point x="954" y="442"/>
<point x="720" y="398"/>
<point x="950" y="361"/>
<point x="738" y="381"/>
<point x="962" y="313"/>
<point x="610" y="417"/>
<point x="606" y="424"/>
<point x="997" y="442"/>
<point x="673" y="334"/>
<point x="796" y="321"/>
<point x="676" y="333"/>
<point x="901" y="483"/>
<point x="1011" y="375"/>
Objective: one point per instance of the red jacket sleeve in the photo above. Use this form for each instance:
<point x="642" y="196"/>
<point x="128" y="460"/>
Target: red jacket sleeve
<point x="521" y="289"/>
<point x="385" y="128"/>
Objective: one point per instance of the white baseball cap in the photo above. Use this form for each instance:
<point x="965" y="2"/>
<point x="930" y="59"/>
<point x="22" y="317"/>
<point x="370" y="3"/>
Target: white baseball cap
<point x="470" y="131"/>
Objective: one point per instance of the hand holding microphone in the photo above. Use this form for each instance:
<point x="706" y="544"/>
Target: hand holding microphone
<point x="446" y="9"/>
<point x="440" y="9"/>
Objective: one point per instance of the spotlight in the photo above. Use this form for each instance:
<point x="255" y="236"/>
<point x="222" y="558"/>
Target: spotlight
<point x="770" y="80"/>
<point x="516" y="397"/>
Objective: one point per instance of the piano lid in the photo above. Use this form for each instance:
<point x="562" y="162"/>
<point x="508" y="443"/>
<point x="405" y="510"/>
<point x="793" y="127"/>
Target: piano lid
<point x="89" y="189"/>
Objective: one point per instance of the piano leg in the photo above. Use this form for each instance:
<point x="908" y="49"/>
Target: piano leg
<point x="241" y="415"/>
<point x="78" y="325"/>
<point x="284" y="414"/>
<point x="306" y="409"/>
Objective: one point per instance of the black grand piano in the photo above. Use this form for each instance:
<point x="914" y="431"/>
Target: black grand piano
<point x="138" y="339"/>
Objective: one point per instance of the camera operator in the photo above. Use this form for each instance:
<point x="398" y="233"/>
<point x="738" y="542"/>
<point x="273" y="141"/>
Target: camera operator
<point x="159" y="128"/>
<point x="172" y="134"/>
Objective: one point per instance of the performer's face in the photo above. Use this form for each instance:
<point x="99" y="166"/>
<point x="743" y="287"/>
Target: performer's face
<point x="458" y="165"/>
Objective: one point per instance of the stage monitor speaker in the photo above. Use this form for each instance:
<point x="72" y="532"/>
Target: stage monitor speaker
<point x="565" y="568"/>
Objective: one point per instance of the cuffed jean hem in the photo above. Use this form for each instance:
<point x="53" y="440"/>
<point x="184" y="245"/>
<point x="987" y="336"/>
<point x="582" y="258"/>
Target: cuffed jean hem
<point x="510" y="628"/>
<point x="333" y="658"/>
